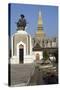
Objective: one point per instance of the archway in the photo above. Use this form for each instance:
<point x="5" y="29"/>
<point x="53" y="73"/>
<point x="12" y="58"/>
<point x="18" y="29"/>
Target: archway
<point x="37" y="56"/>
<point x="21" y="53"/>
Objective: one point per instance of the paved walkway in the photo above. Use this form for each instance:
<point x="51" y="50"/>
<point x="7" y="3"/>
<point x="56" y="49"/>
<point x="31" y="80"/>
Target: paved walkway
<point x="21" y="73"/>
<point x="37" y="78"/>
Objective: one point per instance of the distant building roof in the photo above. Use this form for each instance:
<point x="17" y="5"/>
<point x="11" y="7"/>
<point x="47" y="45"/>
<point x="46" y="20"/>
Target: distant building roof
<point x="37" y="47"/>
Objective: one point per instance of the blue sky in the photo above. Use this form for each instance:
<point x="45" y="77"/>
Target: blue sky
<point x="49" y="17"/>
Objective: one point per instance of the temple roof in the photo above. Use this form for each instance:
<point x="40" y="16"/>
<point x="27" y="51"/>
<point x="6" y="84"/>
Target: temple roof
<point x="37" y="47"/>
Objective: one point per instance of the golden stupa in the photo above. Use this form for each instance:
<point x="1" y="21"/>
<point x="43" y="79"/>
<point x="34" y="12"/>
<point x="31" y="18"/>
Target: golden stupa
<point x="40" y="33"/>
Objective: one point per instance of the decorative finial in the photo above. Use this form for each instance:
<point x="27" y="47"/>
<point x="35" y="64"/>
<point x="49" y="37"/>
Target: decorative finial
<point x="39" y="13"/>
<point x="39" y="18"/>
<point x="40" y="23"/>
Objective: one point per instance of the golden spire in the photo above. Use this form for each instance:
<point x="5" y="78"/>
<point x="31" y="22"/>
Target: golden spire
<point x="40" y="21"/>
<point x="40" y="33"/>
<point x="40" y="18"/>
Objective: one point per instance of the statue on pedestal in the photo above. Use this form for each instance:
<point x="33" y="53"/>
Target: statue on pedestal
<point x="21" y="24"/>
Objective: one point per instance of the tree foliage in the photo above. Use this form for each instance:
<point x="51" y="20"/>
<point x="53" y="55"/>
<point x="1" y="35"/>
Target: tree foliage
<point x="45" y="55"/>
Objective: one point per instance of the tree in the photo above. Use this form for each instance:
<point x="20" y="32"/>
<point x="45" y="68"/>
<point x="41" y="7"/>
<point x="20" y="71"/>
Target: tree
<point x="45" y="55"/>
